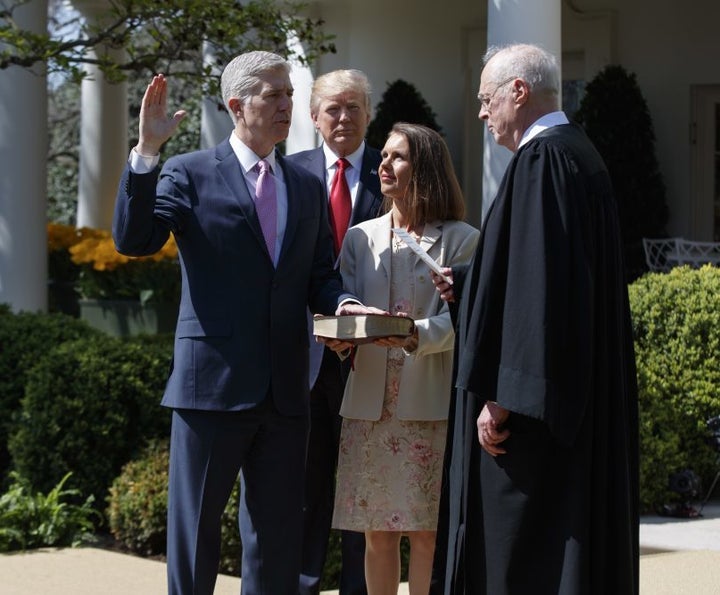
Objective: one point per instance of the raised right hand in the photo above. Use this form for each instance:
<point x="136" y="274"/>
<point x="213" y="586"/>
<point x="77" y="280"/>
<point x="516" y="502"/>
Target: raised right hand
<point x="155" y="126"/>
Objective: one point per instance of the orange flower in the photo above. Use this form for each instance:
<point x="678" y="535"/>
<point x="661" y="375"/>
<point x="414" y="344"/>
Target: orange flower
<point x="105" y="273"/>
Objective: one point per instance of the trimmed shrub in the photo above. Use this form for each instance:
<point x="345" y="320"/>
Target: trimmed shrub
<point x="90" y="405"/>
<point x="137" y="502"/>
<point x="24" y="338"/>
<point x="137" y="509"/>
<point x="676" y="323"/>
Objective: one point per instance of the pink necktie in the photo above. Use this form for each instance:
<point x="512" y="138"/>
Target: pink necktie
<point x="266" y="205"/>
<point x="340" y="203"/>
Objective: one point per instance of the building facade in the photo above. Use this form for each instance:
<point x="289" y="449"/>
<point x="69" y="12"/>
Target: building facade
<point x="437" y="46"/>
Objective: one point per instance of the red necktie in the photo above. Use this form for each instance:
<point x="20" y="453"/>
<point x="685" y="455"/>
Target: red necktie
<point x="340" y="204"/>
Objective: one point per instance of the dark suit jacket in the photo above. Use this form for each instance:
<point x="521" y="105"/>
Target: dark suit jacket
<point x="368" y="204"/>
<point x="242" y="326"/>
<point x="368" y="200"/>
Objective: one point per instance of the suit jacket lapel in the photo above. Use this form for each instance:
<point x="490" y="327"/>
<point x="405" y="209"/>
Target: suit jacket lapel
<point x="432" y="232"/>
<point x="380" y="236"/>
<point x="316" y="164"/>
<point x="368" y="199"/>
<point x="231" y="173"/>
<point x="293" y="186"/>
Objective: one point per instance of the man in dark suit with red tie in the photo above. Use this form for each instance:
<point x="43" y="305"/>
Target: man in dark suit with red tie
<point x="340" y="110"/>
<point x="239" y="384"/>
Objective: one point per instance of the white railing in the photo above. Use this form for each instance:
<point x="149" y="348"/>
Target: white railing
<point x="665" y="253"/>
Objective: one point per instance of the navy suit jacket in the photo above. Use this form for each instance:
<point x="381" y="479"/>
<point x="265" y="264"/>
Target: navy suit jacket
<point x="242" y="326"/>
<point x="368" y="205"/>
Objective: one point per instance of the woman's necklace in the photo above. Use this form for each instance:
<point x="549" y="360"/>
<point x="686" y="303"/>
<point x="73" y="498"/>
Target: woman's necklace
<point x="397" y="242"/>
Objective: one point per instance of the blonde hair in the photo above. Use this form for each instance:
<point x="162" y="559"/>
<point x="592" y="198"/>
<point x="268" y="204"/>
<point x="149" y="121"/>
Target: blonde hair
<point x="339" y="81"/>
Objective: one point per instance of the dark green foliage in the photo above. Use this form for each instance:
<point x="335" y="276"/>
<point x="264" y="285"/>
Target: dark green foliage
<point x="161" y="36"/>
<point x="24" y="338"/>
<point x="64" y="129"/>
<point x="137" y="504"/>
<point x="676" y="322"/>
<point x="31" y="520"/>
<point x="401" y="102"/>
<point x="89" y="407"/>
<point x="615" y="116"/>
<point x="230" y="544"/>
<point x="137" y="509"/>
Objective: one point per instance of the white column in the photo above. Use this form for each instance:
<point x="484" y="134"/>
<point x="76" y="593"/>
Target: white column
<point x="103" y="134"/>
<point x="103" y="148"/>
<point x="516" y="21"/>
<point x="302" y="134"/>
<point x="215" y="122"/>
<point x="23" y="176"/>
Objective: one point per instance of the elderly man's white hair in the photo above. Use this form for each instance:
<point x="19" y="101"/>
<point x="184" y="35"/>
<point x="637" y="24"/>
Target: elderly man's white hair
<point x="531" y="63"/>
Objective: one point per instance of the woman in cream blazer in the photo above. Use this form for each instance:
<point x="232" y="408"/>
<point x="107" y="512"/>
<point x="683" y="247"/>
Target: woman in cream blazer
<point x="396" y="400"/>
<point x="426" y="373"/>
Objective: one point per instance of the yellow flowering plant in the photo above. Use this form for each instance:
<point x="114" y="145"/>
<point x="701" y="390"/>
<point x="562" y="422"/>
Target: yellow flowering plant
<point x="104" y="273"/>
<point x="61" y="268"/>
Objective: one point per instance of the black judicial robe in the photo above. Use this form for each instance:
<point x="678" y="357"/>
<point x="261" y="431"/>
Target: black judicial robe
<point x="543" y="328"/>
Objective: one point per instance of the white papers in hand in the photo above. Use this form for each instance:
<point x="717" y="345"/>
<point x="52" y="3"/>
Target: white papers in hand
<point x="415" y="247"/>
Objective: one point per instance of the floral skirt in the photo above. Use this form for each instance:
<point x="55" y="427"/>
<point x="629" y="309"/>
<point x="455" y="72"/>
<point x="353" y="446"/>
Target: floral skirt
<point x="389" y="471"/>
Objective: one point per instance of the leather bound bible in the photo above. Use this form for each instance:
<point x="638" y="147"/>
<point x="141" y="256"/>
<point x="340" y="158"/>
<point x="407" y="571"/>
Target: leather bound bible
<point x="362" y="328"/>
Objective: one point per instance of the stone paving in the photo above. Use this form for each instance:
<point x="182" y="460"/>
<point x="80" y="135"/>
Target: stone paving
<point x="680" y="556"/>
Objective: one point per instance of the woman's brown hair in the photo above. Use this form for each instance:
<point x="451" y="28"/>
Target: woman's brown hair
<point x="434" y="192"/>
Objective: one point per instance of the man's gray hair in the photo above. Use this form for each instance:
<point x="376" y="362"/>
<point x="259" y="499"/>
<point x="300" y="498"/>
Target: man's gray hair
<point x="241" y="76"/>
<point x="531" y="63"/>
<point x="339" y="81"/>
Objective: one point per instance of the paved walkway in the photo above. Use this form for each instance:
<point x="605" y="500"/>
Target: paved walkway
<point x="680" y="557"/>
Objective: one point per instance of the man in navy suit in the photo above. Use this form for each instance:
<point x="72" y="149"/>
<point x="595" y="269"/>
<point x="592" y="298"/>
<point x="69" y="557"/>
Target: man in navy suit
<point x="340" y="110"/>
<point x="239" y="383"/>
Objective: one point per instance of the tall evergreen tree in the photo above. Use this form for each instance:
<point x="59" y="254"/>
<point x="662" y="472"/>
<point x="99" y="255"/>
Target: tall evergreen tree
<point x="401" y="102"/>
<point x="615" y="116"/>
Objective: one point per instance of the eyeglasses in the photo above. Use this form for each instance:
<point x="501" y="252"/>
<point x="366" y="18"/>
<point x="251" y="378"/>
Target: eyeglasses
<point x="486" y="99"/>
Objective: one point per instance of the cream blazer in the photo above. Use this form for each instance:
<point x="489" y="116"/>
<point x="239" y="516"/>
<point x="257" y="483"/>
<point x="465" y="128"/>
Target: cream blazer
<point x="426" y="373"/>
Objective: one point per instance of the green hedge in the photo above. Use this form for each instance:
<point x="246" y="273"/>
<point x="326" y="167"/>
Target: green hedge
<point x="24" y="339"/>
<point x="676" y="322"/>
<point x="90" y="405"/>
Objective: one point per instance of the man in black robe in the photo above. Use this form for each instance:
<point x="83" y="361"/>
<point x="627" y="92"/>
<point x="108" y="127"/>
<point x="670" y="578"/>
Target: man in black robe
<point x="540" y="486"/>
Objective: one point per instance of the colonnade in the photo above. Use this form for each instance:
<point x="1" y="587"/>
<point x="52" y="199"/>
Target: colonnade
<point x="23" y="142"/>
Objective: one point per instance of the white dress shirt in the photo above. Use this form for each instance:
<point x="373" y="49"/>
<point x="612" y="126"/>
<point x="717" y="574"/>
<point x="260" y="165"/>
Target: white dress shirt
<point x="543" y="123"/>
